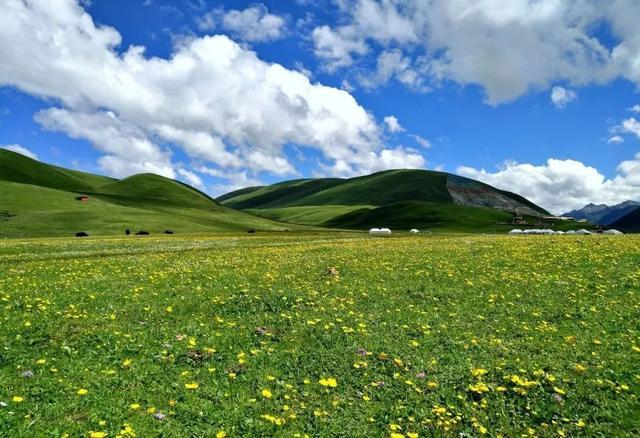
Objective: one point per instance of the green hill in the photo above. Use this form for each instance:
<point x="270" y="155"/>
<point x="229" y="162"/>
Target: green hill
<point x="38" y="199"/>
<point x="394" y="198"/>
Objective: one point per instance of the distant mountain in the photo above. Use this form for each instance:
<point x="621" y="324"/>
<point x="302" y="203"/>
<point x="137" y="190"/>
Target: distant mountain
<point x="629" y="223"/>
<point x="394" y="198"/>
<point x="603" y="214"/>
<point x="38" y="199"/>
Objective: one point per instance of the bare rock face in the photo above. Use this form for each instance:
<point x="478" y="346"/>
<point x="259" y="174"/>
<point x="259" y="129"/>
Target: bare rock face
<point x="471" y="193"/>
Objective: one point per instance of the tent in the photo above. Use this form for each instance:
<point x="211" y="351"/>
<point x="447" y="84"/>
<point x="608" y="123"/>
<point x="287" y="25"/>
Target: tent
<point x="532" y="231"/>
<point x="515" y="232"/>
<point x="546" y="232"/>
<point x="570" y="232"/>
<point x="414" y="231"/>
<point x="613" y="232"/>
<point x="559" y="232"/>
<point x="379" y="232"/>
<point x="583" y="232"/>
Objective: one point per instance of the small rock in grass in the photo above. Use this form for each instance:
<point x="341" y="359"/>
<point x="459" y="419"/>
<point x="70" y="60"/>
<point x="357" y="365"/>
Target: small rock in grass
<point x="361" y="352"/>
<point x="331" y="271"/>
<point x="159" y="416"/>
<point x="558" y="398"/>
<point x="28" y="374"/>
<point x="421" y="375"/>
<point x="3" y="404"/>
<point x="262" y="331"/>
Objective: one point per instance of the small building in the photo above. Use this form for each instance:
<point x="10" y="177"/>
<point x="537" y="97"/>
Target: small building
<point x="613" y="232"/>
<point x="380" y="232"/>
<point x="515" y="232"/>
<point x="414" y="231"/>
<point x="583" y="232"/>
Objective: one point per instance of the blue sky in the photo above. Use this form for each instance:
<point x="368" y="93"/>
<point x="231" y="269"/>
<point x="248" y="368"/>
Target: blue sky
<point x="538" y="97"/>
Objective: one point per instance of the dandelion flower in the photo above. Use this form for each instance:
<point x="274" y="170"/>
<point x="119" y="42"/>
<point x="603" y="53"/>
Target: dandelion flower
<point x="17" y="399"/>
<point x="329" y="381"/>
<point x="266" y="393"/>
<point x="82" y="391"/>
<point x="191" y="385"/>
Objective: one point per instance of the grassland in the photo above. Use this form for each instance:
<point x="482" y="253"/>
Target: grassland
<point x="39" y="200"/>
<point x="249" y="336"/>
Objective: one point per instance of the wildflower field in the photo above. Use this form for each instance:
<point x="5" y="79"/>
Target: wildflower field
<point x="320" y="334"/>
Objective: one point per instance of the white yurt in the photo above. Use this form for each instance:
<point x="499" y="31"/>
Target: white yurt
<point x="546" y="232"/>
<point x="570" y="232"/>
<point x="531" y="231"/>
<point x="414" y="231"/>
<point x="583" y="232"/>
<point x="613" y="232"/>
<point x="380" y="232"/>
<point x="559" y="233"/>
<point x="515" y="232"/>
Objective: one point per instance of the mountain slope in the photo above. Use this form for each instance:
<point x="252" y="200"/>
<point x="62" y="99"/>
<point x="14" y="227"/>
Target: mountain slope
<point x="38" y="199"/>
<point x="629" y="223"/>
<point x="603" y="214"/>
<point x="399" y="198"/>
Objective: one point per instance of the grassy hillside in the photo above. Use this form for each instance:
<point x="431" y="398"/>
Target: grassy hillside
<point x="38" y="199"/>
<point x="394" y="198"/>
<point x="20" y="169"/>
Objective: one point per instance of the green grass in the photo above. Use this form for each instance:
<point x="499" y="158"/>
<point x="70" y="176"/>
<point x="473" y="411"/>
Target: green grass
<point x="308" y="215"/>
<point x="38" y="199"/>
<point x="389" y="198"/>
<point x="436" y="336"/>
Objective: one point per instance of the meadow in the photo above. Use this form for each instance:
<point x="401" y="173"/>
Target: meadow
<point x="235" y="335"/>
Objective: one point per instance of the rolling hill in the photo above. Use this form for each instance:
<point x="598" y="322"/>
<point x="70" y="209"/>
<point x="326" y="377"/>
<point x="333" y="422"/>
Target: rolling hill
<point x="38" y="199"/>
<point x="394" y="198"/>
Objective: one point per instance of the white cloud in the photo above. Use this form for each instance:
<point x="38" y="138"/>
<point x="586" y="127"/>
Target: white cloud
<point x="366" y="163"/>
<point x="422" y="141"/>
<point x="393" y="125"/>
<point x="635" y="108"/>
<point x="337" y="47"/>
<point x="19" y="150"/>
<point x="507" y="48"/>
<point x="616" y="139"/>
<point x="563" y="185"/>
<point x="127" y="147"/>
<point x="235" y="180"/>
<point x="217" y="101"/>
<point x="191" y="178"/>
<point x="561" y="96"/>
<point x="254" y="24"/>
<point x="631" y="126"/>
<point x="393" y="64"/>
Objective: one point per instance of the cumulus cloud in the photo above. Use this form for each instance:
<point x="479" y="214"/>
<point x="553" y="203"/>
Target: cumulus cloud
<point x="366" y="163"/>
<point x="253" y="24"/>
<point x="635" y="109"/>
<point x="20" y="150"/>
<point x="393" y="125"/>
<point x="127" y="148"/>
<point x="563" y="185"/>
<point x="489" y="42"/>
<point x="191" y="178"/>
<point x="631" y="126"/>
<point x="561" y="96"/>
<point x="217" y="101"/>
